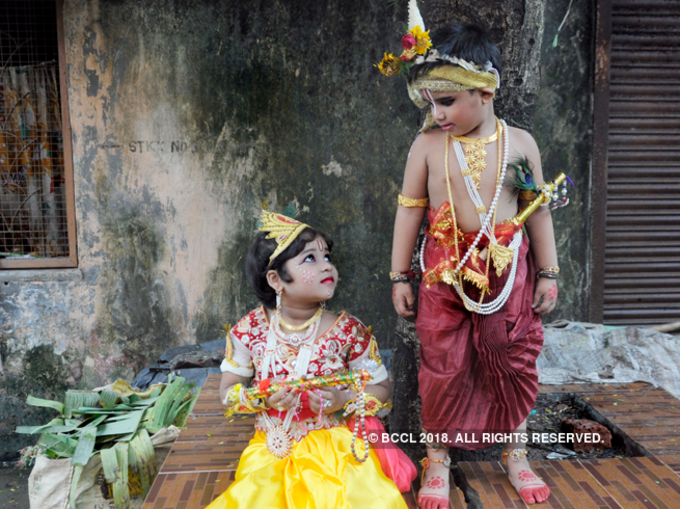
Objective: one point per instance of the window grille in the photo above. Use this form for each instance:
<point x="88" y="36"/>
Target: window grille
<point x="37" y="226"/>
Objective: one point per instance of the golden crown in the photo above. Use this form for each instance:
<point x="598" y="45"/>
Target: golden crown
<point x="282" y="229"/>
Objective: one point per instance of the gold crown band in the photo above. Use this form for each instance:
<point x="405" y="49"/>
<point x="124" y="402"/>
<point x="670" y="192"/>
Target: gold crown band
<point x="449" y="78"/>
<point x="281" y="228"/>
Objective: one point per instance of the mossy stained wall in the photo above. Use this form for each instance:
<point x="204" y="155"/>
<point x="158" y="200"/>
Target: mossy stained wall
<point x="186" y="116"/>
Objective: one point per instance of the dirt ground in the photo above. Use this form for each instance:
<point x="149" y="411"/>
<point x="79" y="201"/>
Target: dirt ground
<point x="13" y="487"/>
<point x="547" y="417"/>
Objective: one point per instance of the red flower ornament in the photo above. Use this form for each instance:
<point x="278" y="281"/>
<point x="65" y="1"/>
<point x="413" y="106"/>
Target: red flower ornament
<point x="408" y="41"/>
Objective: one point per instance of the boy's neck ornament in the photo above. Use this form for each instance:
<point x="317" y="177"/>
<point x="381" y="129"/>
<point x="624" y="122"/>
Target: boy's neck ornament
<point x="454" y="74"/>
<point x="475" y="154"/>
<point x="281" y="228"/>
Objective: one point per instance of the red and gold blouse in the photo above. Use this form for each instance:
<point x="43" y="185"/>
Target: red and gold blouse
<point x="347" y="344"/>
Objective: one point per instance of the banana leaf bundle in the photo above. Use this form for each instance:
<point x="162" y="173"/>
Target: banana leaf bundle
<point x="116" y="423"/>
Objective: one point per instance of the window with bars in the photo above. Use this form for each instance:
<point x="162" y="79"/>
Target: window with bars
<point x="37" y="213"/>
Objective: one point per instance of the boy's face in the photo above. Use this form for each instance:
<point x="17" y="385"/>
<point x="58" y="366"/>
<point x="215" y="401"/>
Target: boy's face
<point x="314" y="275"/>
<point x="459" y="112"/>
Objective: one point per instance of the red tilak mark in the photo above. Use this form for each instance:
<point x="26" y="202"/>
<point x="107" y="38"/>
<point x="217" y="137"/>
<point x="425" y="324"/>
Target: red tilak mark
<point x="552" y="292"/>
<point x="394" y="293"/>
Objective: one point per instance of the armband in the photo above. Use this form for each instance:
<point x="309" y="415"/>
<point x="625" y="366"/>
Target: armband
<point x="405" y="201"/>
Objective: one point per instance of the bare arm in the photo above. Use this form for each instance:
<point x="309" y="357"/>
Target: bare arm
<point x="407" y="224"/>
<point x="542" y="236"/>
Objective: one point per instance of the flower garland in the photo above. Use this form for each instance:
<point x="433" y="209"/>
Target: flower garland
<point x="415" y="42"/>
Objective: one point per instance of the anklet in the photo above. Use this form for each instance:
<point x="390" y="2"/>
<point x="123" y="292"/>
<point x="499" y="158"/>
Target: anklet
<point x="425" y="462"/>
<point x="514" y="455"/>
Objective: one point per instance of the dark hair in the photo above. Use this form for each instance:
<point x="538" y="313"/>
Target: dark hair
<point x="257" y="262"/>
<point x="463" y="40"/>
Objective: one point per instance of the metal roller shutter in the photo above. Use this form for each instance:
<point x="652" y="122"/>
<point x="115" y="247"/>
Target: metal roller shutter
<point x="642" y="250"/>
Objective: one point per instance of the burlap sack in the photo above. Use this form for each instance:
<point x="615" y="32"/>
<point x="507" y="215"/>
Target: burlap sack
<point x="50" y="480"/>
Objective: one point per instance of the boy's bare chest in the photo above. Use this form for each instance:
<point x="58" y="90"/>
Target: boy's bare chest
<point x="483" y="166"/>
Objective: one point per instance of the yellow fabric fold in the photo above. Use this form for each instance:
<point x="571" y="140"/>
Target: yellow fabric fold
<point x="321" y="473"/>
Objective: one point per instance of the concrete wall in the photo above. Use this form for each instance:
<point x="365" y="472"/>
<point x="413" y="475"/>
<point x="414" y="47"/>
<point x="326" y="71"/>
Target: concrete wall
<point x="186" y="116"/>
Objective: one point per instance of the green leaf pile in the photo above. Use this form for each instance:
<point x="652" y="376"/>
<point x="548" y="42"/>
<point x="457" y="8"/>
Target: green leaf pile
<point x="117" y="427"/>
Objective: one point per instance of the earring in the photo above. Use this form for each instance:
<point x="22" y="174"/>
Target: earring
<point x="323" y="305"/>
<point x="278" y="301"/>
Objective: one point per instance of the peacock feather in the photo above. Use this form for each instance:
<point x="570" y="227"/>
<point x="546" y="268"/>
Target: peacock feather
<point x="520" y="176"/>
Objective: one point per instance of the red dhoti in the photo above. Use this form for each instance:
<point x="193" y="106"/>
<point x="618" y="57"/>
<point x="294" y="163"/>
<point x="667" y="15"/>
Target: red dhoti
<point x="477" y="372"/>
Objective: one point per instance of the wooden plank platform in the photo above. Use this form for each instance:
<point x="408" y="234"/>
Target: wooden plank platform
<point x="203" y="461"/>
<point x="627" y="483"/>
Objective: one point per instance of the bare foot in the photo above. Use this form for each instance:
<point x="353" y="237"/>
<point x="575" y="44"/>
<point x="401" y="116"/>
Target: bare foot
<point x="529" y="486"/>
<point x="434" y="491"/>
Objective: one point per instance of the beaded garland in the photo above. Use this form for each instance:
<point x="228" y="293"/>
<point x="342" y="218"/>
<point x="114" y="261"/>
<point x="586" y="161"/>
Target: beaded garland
<point x="361" y="410"/>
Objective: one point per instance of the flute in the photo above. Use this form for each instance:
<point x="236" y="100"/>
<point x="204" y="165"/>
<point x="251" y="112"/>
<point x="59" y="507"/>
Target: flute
<point x="545" y="195"/>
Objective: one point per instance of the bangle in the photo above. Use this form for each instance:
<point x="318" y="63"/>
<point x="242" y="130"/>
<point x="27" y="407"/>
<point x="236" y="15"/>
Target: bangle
<point x="549" y="272"/>
<point x="349" y="408"/>
<point x="400" y="277"/>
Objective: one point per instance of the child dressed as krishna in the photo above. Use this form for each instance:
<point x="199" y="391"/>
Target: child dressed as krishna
<point x="314" y="380"/>
<point x="484" y="285"/>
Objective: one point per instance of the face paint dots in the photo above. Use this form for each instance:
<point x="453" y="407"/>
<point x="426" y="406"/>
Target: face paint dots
<point x="307" y="276"/>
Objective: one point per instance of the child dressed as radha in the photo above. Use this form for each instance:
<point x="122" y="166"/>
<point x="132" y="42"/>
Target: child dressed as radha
<point x="310" y="448"/>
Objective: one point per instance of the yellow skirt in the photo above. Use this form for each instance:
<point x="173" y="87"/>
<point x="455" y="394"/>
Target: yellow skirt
<point x="319" y="474"/>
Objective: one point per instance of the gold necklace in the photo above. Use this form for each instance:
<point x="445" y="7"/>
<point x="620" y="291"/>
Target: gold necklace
<point x="475" y="154"/>
<point x="296" y="328"/>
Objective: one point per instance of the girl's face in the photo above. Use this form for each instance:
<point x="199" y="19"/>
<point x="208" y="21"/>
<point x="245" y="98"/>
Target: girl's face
<point x="314" y="275"/>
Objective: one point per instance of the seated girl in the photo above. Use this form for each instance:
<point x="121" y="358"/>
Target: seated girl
<point x="307" y="451"/>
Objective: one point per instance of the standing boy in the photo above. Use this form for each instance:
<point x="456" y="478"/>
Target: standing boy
<point x="483" y="286"/>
